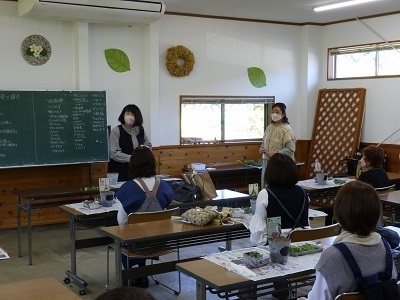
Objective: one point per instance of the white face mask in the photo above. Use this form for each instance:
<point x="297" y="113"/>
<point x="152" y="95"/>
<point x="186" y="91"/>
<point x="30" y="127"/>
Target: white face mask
<point x="129" y="120"/>
<point x="276" y="117"/>
<point x="363" y="163"/>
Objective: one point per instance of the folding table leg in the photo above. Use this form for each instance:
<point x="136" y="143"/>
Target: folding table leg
<point x="200" y="290"/>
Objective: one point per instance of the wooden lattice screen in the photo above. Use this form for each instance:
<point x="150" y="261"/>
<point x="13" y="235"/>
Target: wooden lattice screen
<point x="337" y="128"/>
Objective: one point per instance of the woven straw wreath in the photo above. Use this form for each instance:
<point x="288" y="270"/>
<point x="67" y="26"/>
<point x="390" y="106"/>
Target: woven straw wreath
<point x="179" y="52"/>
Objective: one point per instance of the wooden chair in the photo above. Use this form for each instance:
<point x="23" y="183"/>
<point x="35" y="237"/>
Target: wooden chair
<point x="390" y="210"/>
<point x="302" y="235"/>
<point x="350" y="296"/>
<point x="386" y="189"/>
<point x="143" y="217"/>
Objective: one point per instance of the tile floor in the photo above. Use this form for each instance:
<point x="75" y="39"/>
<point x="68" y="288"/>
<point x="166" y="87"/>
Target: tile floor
<point x="51" y="258"/>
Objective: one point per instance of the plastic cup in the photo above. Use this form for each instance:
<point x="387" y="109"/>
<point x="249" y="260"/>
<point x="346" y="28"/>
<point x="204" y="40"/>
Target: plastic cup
<point x="253" y="206"/>
<point x="107" y="198"/>
<point x="321" y="178"/>
<point x="279" y="250"/>
<point x="112" y="178"/>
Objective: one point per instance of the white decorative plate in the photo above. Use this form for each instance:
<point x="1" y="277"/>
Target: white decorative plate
<point x="36" y="50"/>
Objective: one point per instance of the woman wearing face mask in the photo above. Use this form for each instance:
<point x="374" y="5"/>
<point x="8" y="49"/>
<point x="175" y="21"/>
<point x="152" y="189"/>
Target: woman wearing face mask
<point x="372" y="170"/>
<point x="124" y="139"/>
<point x="278" y="137"/>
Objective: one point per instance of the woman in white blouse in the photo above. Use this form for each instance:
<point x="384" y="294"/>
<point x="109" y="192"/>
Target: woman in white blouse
<point x="284" y="198"/>
<point x="281" y="176"/>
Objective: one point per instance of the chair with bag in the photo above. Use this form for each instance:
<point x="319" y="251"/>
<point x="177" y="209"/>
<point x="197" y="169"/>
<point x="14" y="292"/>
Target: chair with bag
<point x="143" y="217"/>
<point x="203" y="181"/>
<point x="379" y="286"/>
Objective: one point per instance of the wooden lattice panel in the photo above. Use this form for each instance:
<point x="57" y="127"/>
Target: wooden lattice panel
<point x="337" y="128"/>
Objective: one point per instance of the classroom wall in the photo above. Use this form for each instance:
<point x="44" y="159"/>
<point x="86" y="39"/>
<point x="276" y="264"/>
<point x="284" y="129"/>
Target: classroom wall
<point x="223" y="51"/>
<point x="293" y="58"/>
<point x="382" y="111"/>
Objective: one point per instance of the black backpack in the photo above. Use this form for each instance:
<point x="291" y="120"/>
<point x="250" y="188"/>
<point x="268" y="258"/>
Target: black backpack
<point x="378" y="286"/>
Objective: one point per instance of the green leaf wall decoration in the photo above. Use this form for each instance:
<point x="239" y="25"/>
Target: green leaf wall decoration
<point x="117" y="60"/>
<point x="257" y="77"/>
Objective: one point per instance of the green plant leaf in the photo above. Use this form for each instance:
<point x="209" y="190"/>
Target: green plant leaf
<point x="117" y="60"/>
<point x="257" y="77"/>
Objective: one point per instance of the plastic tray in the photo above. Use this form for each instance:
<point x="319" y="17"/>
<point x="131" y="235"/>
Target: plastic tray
<point x="255" y="262"/>
<point x="318" y="248"/>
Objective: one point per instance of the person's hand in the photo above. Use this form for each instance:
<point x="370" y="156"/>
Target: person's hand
<point x="262" y="150"/>
<point x="270" y="153"/>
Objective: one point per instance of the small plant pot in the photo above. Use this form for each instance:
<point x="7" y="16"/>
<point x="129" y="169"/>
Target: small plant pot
<point x="253" y="261"/>
<point x="279" y="250"/>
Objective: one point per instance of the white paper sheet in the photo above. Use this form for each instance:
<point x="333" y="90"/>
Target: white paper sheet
<point x="3" y="254"/>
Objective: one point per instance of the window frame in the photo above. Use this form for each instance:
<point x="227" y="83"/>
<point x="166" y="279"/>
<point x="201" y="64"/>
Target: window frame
<point x="377" y="47"/>
<point x="268" y="101"/>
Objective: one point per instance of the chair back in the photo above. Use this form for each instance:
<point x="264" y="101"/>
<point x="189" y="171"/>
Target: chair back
<point x="142" y="217"/>
<point x="350" y="296"/>
<point x="386" y="189"/>
<point x="300" y="235"/>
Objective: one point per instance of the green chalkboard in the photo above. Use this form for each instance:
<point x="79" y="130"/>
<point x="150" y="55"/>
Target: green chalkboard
<point x="52" y="127"/>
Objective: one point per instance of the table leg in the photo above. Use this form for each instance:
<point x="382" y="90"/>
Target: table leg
<point x="72" y="236"/>
<point x="29" y="230"/>
<point x="71" y="275"/>
<point x="118" y="264"/>
<point x="393" y="215"/>
<point x="228" y="246"/>
<point x="264" y="164"/>
<point x="200" y="290"/>
<point x="19" y="225"/>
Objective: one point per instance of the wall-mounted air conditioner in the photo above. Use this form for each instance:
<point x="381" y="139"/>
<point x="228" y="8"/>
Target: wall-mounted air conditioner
<point x="128" y="12"/>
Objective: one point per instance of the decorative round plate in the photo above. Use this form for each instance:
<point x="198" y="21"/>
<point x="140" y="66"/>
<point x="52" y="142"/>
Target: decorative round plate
<point x="36" y="50"/>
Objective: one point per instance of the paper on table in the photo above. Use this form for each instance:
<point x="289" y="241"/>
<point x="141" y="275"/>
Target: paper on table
<point x="310" y="183"/>
<point x="79" y="207"/>
<point x="3" y="254"/>
<point x="241" y="270"/>
<point x="271" y="270"/>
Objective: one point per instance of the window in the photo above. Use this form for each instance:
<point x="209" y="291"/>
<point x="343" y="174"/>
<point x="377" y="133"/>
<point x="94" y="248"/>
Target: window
<point x="364" y="61"/>
<point x="227" y="119"/>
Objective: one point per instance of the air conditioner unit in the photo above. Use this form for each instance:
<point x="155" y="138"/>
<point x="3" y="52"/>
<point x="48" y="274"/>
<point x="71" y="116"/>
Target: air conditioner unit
<point x="127" y="12"/>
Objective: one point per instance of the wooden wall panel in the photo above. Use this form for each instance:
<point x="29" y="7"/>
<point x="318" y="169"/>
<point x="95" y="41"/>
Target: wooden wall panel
<point x="173" y="158"/>
<point x="170" y="160"/>
<point x="41" y="177"/>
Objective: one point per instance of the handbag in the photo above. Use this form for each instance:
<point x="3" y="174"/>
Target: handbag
<point x="353" y="163"/>
<point x="389" y="235"/>
<point x="199" y="216"/>
<point x="204" y="182"/>
<point x="183" y="191"/>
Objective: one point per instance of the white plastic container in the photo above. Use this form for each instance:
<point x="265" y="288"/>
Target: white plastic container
<point x="197" y="166"/>
<point x="112" y="178"/>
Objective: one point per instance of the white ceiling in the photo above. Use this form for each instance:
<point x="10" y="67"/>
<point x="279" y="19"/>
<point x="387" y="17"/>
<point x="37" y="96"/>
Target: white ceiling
<point x="291" y="11"/>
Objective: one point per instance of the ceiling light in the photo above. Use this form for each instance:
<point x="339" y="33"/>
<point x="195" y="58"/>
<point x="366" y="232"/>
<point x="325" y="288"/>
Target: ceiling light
<point x="342" y="4"/>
